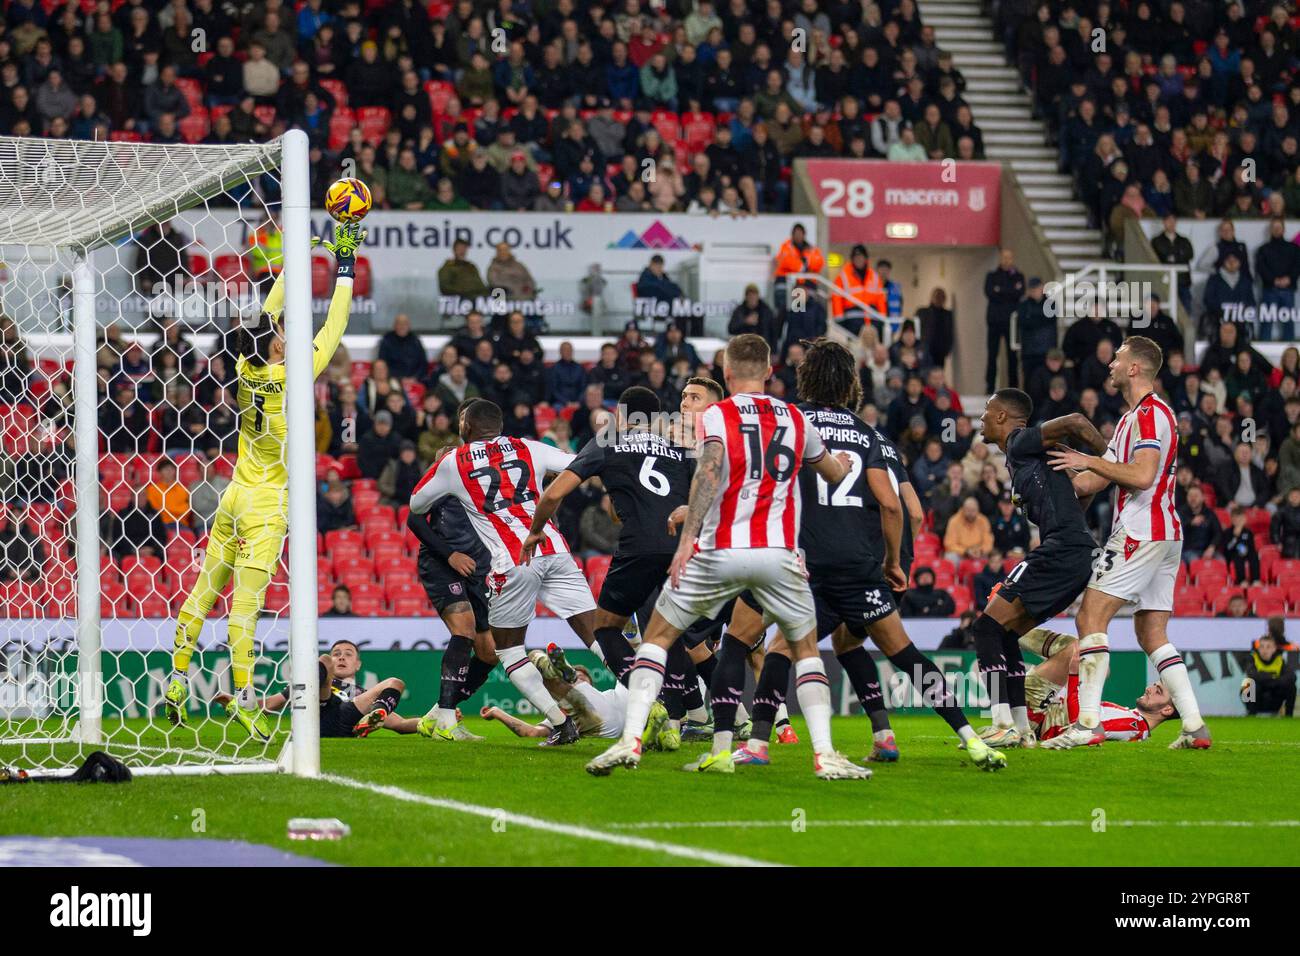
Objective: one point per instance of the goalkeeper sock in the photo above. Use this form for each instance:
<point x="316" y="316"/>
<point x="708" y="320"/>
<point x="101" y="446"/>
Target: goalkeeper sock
<point x="245" y="605"/>
<point x="188" y="627"/>
<point x="524" y="674"/>
<point x="1094" y="663"/>
<point x="1045" y="643"/>
<point x="479" y="672"/>
<point x="644" y="681"/>
<point x="1173" y="674"/>
<point x="455" y="671"/>
<point x="814" y="692"/>
<point x="865" y="678"/>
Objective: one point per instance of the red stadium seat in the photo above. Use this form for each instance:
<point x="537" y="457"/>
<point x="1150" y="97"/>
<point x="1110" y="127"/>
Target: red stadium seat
<point x="413" y="606"/>
<point x="336" y="89"/>
<point x="439" y="92"/>
<point x="194" y="128"/>
<point x="193" y="91"/>
<point x="666" y="124"/>
<point x="396" y="587"/>
<point x="362" y="284"/>
<point x="340" y="542"/>
<point x="1286" y="571"/>
<point x="367" y="606"/>
<point x="1208" y="569"/>
<point x="374" y="122"/>
<point x="1218" y="601"/>
<point x="697" y="130"/>
<point x="341" y="124"/>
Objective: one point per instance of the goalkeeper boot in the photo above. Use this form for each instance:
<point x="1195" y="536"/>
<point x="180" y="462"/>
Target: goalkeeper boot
<point x="1198" y="739"/>
<point x="174" y="702"/>
<point x="670" y="736"/>
<point x="786" y="734"/>
<point x="724" y="762"/>
<point x="620" y="755"/>
<point x="694" y="730"/>
<point x="1076" y="735"/>
<point x="566" y="733"/>
<point x="654" y="723"/>
<point x="833" y="765"/>
<point x="370" y="722"/>
<point x="984" y="756"/>
<point x="254" y="721"/>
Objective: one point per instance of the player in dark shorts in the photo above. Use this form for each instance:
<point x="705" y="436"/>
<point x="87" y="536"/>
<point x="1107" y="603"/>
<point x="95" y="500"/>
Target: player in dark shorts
<point x="851" y="536"/>
<point x="647" y="477"/>
<point x="1051" y="576"/>
<point x="913" y="513"/>
<point x="452" y="565"/>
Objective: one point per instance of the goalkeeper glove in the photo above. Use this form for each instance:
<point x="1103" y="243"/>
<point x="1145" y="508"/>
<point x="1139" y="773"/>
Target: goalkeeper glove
<point x="348" y="236"/>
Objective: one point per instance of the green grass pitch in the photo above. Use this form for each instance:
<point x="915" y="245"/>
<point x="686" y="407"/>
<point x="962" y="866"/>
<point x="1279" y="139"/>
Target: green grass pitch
<point x="1122" y="804"/>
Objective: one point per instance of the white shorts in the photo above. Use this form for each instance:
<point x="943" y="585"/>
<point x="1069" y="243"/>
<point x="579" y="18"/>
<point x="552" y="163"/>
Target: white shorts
<point x="553" y="579"/>
<point x="1139" y="572"/>
<point x="598" y="713"/>
<point x="775" y="576"/>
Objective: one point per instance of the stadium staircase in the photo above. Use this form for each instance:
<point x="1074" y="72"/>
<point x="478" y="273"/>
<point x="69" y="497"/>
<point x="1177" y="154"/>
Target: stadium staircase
<point x="1004" y="112"/>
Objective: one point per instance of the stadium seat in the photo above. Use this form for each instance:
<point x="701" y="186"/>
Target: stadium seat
<point x="374" y="122"/>
<point x="413" y="606"/>
<point x="1204" y="570"/>
<point x="353" y="559"/>
<point x="367" y="606"/>
<point x="666" y="124"/>
<point x="1189" y="607"/>
<point x="340" y="542"/>
<point x="1218" y="601"/>
<point x="336" y="89"/>
<point x="354" y="578"/>
<point x="1286" y="571"/>
<point x="194" y="128"/>
<point x="341" y="124"/>
<point x="277" y="599"/>
<point x="363" y="278"/>
<point x="697" y="131"/>
<point x="439" y="92"/>
<point x="396" y="586"/>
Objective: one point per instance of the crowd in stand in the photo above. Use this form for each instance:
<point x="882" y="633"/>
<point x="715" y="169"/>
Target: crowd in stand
<point x="1185" y="107"/>
<point x="550" y="105"/>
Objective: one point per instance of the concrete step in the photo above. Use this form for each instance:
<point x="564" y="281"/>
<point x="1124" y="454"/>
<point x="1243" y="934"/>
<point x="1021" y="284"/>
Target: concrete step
<point x="1006" y="114"/>
<point x="942" y="9"/>
<point x="942" y="20"/>
<point x="1074" y="234"/>
<point x="1049" y="193"/>
<point x="1028" y="131"/>
<point x="1061" y="220"/>
<point x="966" y="60"/>
<point x="1014" y="136"/>
<point x="1023" y="166"/>
<point x="948" y="34"/>
<point x="981" y="71"/>
<point x="1009" y="153"/>
<point x="1062" y="207"/>
<point x="1075" y="251"/>
<point x="1056" y="180"/>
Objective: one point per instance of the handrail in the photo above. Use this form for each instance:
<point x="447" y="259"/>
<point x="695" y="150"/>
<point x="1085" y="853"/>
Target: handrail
<point x="833" y="329"/>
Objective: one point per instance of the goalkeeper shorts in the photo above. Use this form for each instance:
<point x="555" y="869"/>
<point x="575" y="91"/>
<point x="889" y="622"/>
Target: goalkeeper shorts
<point x="250" y="525"/>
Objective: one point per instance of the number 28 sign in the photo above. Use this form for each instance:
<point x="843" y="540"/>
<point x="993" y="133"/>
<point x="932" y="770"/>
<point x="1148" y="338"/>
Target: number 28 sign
<point x="942" y="203"/>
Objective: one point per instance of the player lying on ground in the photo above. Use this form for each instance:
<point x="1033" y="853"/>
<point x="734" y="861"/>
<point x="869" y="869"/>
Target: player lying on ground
<point x="1051" y="576"/>
<point x="851" y="535"/>
<point x="345" y="709"/>
<point x="1052" y="693"/>
<point x="741" y="533"/>
<point x="248" y="532"/>
<point x="453" y="567"/>
<point x="1140" y="562"/>
<point x="599" y="713"/>
<point x="498" y="480"/>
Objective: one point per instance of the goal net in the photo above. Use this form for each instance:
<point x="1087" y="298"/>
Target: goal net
<point x="124" y="268"/>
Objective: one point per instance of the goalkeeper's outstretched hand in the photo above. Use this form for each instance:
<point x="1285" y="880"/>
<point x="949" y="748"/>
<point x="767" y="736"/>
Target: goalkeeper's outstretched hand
<point x="348" y="237"/>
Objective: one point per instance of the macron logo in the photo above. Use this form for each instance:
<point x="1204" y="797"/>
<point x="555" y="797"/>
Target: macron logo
<point x="77" y="909"/>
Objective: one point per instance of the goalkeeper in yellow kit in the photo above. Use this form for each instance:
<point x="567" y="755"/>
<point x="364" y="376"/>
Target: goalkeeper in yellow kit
<point x="248" y="532"/>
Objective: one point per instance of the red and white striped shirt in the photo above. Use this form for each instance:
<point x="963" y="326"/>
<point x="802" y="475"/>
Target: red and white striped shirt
<point x="499" y="482"/>
<point x="764" y="441"/>
<point x="1147" y="515"/>
<point x="1124" y="724"/>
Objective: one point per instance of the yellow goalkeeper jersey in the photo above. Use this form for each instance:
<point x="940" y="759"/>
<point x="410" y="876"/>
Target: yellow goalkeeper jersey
<point x="260" y="396"/>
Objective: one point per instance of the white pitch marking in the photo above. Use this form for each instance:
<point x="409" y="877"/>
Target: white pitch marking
<point x="551" y="826"/>
<point x="900" y="824"/>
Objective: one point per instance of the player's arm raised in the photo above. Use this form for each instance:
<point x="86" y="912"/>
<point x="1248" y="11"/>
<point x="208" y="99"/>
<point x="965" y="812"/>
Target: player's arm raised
<point x="705" y="487"/>
<point x="347" y="238"/>
<point x="891" y="522"/>
<point x="1074" y="427"/>
<point x="565" y="483"/>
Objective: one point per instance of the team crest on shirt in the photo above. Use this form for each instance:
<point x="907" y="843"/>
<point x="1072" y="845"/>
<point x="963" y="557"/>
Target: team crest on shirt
<point x="497" y="582"/>
<point x="1130" y="545"/>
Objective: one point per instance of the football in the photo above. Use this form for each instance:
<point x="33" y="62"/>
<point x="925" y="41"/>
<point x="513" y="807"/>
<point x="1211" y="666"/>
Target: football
<point x="348" y="200"/>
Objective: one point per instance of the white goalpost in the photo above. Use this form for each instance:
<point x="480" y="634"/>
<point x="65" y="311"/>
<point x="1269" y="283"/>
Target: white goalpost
<point x="124" y="268"/>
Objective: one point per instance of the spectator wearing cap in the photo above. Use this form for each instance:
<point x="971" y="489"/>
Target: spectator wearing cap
<point x="1010" y="529"/>
<point x="1004" y="287"/>
<point x="753" y="315"/>
<point x="553" y="199"/>
<point x="858" y="285"/>
<point x="796" y="255"/>
<point x="924" y="599"/>
<point x="1269" y="685"/>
